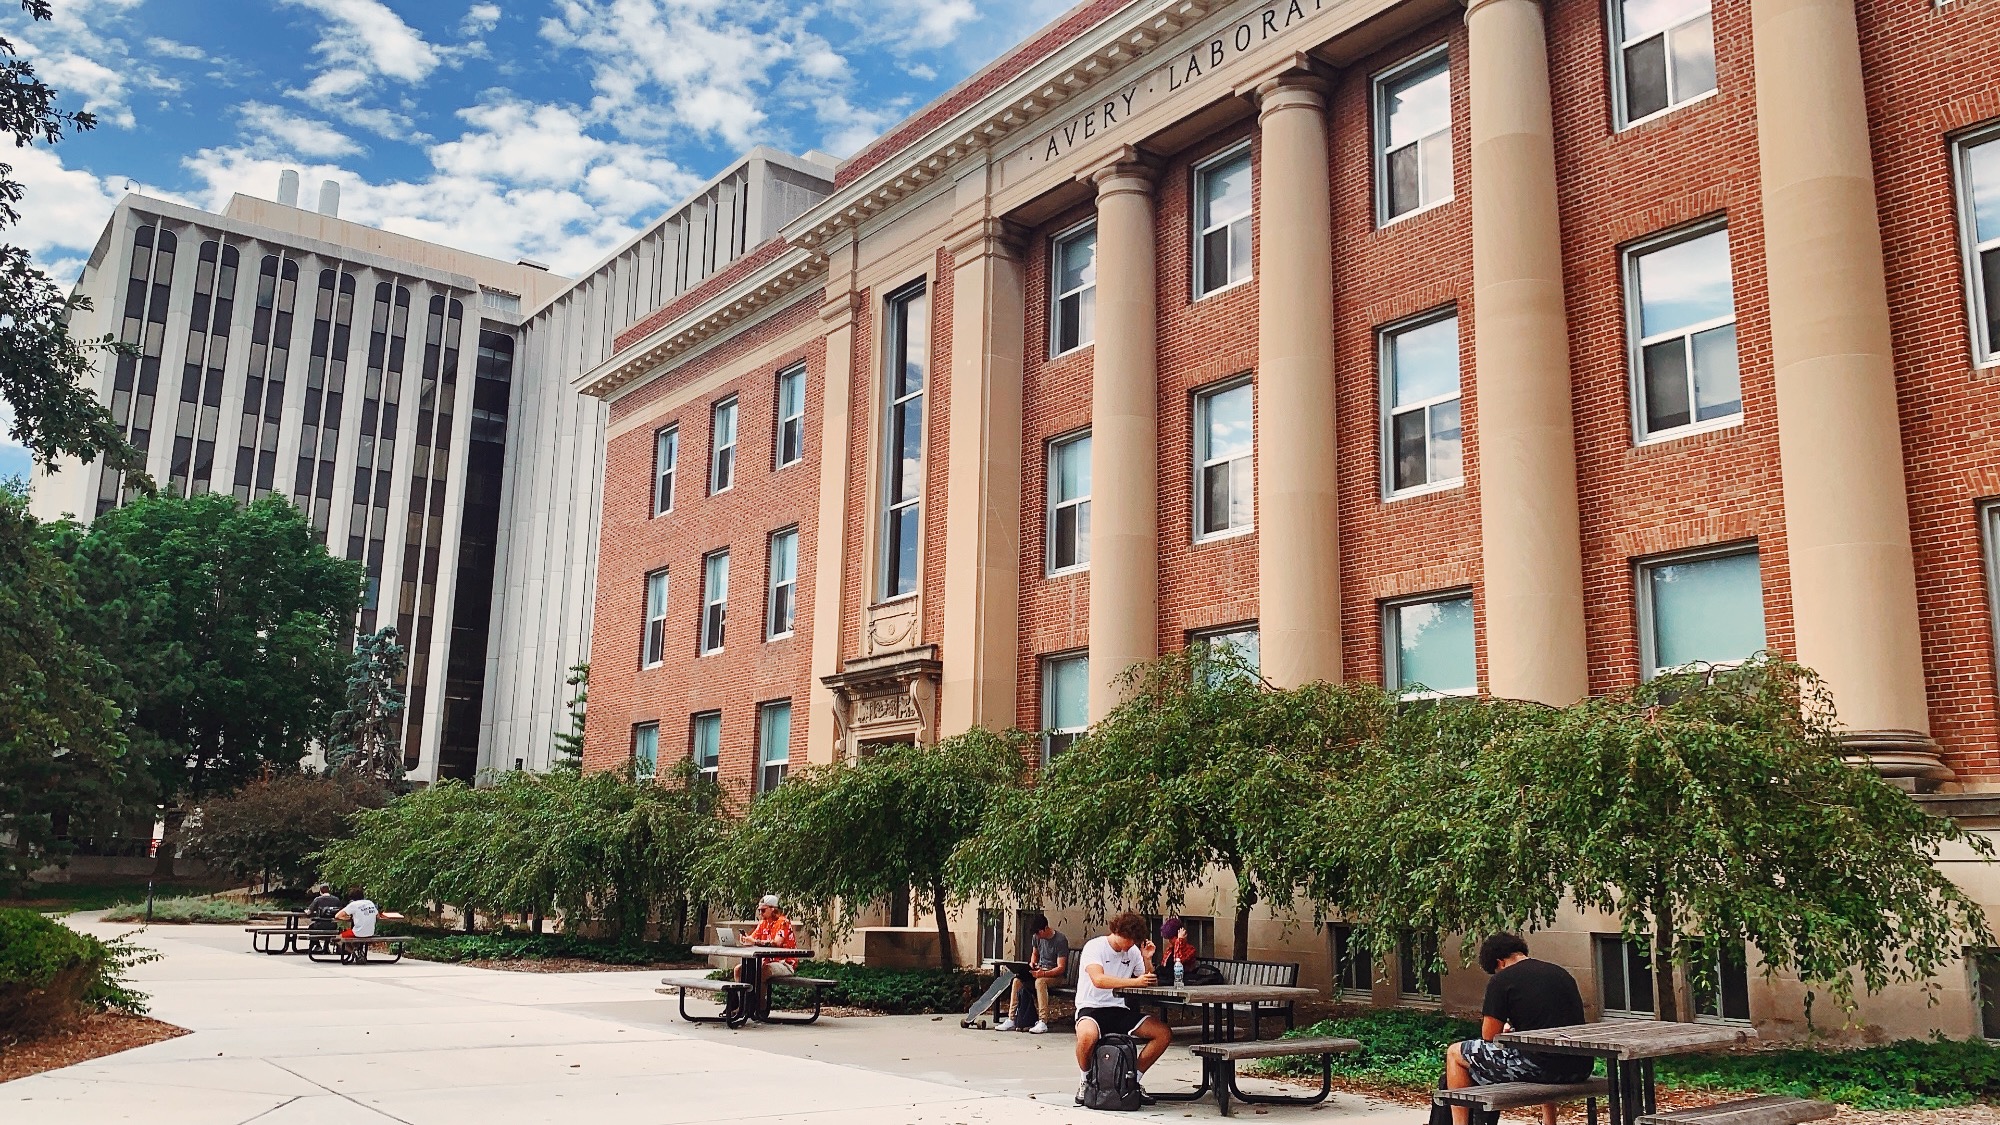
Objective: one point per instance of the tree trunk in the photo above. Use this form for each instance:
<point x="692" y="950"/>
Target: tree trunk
<point x="1245" y="900"/>
<point x="170" y="841"/>
<point x="943" y="926"/>
<point x="1665" y="1000"/>
<point x="535" y="921"/>
<point x="471" y="915"/>
<point x="701" y="923"/>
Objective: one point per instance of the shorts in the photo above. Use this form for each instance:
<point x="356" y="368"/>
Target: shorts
<point x="1111" y="1021"/>
<point x="1493" y="1063"/>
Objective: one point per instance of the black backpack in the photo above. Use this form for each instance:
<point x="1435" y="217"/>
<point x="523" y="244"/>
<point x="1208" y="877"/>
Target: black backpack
<point x="1112" y="1082"/>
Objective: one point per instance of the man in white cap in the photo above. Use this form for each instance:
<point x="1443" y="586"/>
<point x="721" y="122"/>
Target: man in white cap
<point x="775" y="931"/>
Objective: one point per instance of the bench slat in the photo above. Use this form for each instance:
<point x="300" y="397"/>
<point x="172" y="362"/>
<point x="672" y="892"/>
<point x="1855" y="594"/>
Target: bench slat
<point x="1771" y="1109"/>
<point x="1276" y="1048"/>
<point x="816" y="982"/>
<point x="1514" y="1095"/>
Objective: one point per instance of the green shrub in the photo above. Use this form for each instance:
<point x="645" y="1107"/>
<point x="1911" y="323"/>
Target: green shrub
<point x="1398" y="1048"/>
<point x="895" y="992"/>
<point x="1912" y="1074"/>
<point x="50" y="974"/>
<point x="193" y="908"/>
<point x="440" y="946"/>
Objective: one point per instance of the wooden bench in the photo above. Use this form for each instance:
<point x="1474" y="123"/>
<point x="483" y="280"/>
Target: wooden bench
<point x="1218" y="1068"/>
<point x="354" y="951"/>
<point x="1488" y="1101"/>
<point x="1769" y="1110"/>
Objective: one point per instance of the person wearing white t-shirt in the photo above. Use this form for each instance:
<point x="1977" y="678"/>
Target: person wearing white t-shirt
<point x="1119" y="959"/>
<point x="359" y="914"/>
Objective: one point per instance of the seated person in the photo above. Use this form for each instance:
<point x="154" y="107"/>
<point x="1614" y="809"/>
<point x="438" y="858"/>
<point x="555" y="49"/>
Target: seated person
<point x="1524" y="995"/>
<point x="324" y="906"/>
<point x="1176" y="947"/>
<point x="359" y="914"/>
<point x="1048" y="963"/>
<point x="1117" y="960"/>
<point x="774" y="930"/>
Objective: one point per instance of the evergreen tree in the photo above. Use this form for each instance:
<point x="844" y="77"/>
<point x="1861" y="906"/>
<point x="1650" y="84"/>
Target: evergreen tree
<point x="569" y="744"/>
<point x="365" y="738"/>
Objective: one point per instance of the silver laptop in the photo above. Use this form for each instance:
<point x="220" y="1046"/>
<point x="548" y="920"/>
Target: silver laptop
<point x="726" y="935"/>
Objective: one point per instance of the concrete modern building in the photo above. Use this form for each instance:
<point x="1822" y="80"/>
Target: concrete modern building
<point x="1525" y="347"/>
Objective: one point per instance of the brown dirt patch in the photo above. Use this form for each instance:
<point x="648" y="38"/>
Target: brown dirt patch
<point x="572" y="965"/>
<point x="105" y="1033"/>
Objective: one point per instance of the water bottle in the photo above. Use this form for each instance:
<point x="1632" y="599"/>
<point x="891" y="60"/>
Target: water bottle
<point x="1180" y="973"/>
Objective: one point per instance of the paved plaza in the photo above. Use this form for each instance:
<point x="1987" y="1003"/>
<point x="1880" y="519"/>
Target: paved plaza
<point x="282" y="1041"/>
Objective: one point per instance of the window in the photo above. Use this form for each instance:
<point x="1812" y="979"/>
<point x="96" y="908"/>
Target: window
<point x="1624" y="977"/>
<point x="1986" y="987"/>
<point x="1703" y="608"/>
<point x="992" y="934"/>
<point x="1240" y="640"/>
<point x="714" y="600"/>
<point x="1199" y="931"/>
<point x="783" y="602"/>
<point x="1420" y="428"/>
<point x="1225" y="483"/>
<point x="1979" y="214"/>
<point x="908" y="356"/>
<point x="1417" y="963"/>
<point x="1727" y="995"/>
<point x="1069" y="504"/>
<point x="1222" y="223"/>
<point x="666" y="458"/>
<point x="645" y="751"/>
<point x="1065" y="702"/>
<point x="1664" y="55"/>
<point x="790" y="441"/>
<point x="654" y="645"/>
<point x="722" y="446"/>
<point x="1427" y="647"/>
<point x="1683" y="331"/>
<point x="1413" y="137"/>
<point x="1353" y="965"/>
<point x="774" y="744"/>
<point x="1073" y="320"/>
<point x="705" y="743"/>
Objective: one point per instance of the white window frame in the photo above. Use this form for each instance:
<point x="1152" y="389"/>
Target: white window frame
<point x="714" y="603"/>
<point x="790" y="585"/>
<point x="1055" y="505"/>
<point x="717" y="447"/>
<point x="1201" y="172"/>
<point x="1047" y="715"/>
<point x="650" y="774"/>
<point x="1392" y="643"/>
<point x="1202" y="399"/>
<point x="1980" y="304"/>
<point x="1614" y="23"/>
<point x="712" y="771"/>
<point x="653" y="639"/>
<point x="1636" y="344"/>
<point x="764" y="759"/>
<point x="666" y="466"/>
<point x="793" y="375"/>
<point x="893" y="342"/>
<point x="1379" y="87"/>
<point x="1386" y="364"/>
<point x="1057" y="295"/>
<point x="1207" y="639"/>
<point x="1642" y="597"/>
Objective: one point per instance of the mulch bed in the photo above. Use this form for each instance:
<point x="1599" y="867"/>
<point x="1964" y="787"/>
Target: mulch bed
<point x="105" y="1033"/>
<point x="569" y="965"/>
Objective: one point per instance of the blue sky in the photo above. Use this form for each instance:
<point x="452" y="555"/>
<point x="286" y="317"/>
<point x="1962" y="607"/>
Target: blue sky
<point x="548" y="129"/>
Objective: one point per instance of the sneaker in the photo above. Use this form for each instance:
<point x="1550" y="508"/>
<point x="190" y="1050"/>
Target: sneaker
<point x="1041" y="1028"/>
<point x="1146" y="1098"/>
<point x="1004" y="1025"/>
<point x="1082" y="1090"/>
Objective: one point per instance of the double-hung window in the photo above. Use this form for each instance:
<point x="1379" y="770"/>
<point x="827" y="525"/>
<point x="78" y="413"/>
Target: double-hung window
<point x="782" y="604"/>
<point x="1233" y="642"/>
<point x="1985" y="965"/>
<point x="1065" y="702"/>
<point x="1069" y="504"/>
<point x="1222" y="222"/>
<point x="666" y="458"/>
<point x="1427" y="646"/>
<point x="1979" y="215"/>
<point x="1663" y="55"/>
<point x="790" y="440"/>
<point x="1706" y="607"/>
<point x="654" y="644"/>
<point x="1624" y="977"/>
<point x="908" y="359"/>
<point x="714" y="600"/>
<point x="1725" y="995"/>
<point x="1413" y="137"/>
<point x="1225" y="483"/>
<point x="645" y="751"/>
<point x="1682" y="313"/>
<point x="774" y="744"/>
<point x="1421" y="437"/>
<point x="722" y="446"/>
<point x="705" y="743"/>
<point x="1073" y="317"/>
<point x="1353" y="964"/>
<point x="1420" y="978"/>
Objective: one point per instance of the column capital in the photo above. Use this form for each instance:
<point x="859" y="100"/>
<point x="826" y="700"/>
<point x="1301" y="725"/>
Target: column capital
<point x="987" y="236"/>
<point x="1472" y="6"/>
<point x="1286" y="81"/>
<point x="1124" y="170"/>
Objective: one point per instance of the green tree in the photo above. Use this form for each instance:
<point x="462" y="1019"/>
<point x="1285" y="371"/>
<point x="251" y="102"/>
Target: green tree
<point x="850" y="833"/>
<point x="569" y="744"/>
<point x="365" y="737"/>
<point x="273" y="826"/>
<point x="224" y="623"/>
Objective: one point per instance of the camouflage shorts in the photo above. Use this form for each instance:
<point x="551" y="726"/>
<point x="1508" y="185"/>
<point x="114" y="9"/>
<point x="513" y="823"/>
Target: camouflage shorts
<point x="1493" y="1063"/>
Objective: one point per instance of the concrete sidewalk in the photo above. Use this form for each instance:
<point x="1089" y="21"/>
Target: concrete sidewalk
<point x="282" y="1041"/>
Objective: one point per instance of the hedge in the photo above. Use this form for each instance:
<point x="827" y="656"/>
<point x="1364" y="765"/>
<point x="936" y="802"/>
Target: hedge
<point x="51" y="975"/>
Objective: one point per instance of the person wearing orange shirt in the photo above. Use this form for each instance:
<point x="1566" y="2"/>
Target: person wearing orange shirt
<point x="774" y="931"/>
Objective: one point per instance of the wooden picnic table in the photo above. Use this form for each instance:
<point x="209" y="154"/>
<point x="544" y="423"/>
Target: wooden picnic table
<point x="755" y="956"/>
<point x="1208" y="997"/>
<point x="1628" y="1048"/>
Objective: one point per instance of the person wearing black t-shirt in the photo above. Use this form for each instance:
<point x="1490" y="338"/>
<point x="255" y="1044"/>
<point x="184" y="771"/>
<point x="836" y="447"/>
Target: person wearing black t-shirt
<point x="1524" y="995"/>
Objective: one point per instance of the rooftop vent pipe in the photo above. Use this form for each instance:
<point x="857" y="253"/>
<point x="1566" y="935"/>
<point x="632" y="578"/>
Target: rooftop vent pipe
<point x="288" y="187"/>
<point x="329" y="197"/>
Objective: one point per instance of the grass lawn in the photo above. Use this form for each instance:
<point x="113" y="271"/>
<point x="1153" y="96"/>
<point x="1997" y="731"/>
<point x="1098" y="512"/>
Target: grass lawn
<point x="69" y="897"/>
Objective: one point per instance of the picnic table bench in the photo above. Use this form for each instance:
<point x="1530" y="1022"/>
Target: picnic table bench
<point x="1488" y="1101"/>
<point x="354" y="950"/>
<point x="1629" y="1048"/>
<point x="740" y="1000"/>
<point x="1218" y="1068"/>
<point x="1768" y="1110"/>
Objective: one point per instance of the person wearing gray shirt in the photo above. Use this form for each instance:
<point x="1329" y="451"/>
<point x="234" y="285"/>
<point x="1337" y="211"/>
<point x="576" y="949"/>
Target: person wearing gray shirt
<point x="1048" y="963"/>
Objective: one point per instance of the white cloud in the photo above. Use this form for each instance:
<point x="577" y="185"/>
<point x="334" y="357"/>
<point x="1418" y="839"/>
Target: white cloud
<point x="291" y="135"/>
<point x="367" y="35"/>
<point x="904" y="26"/>
<point x="479" y="19"/>
<point x="176" y="50"/>
<point x="63" y="210"/>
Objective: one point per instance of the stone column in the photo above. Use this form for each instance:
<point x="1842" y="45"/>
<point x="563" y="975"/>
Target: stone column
<point x="1847" y="521"/>
<point x="1298" y="501"/>
<point x="1124" y="434"/>
<point x="982" y="569"/>
<point x="824" y="728"/>
<point x="1528" y="522"/>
